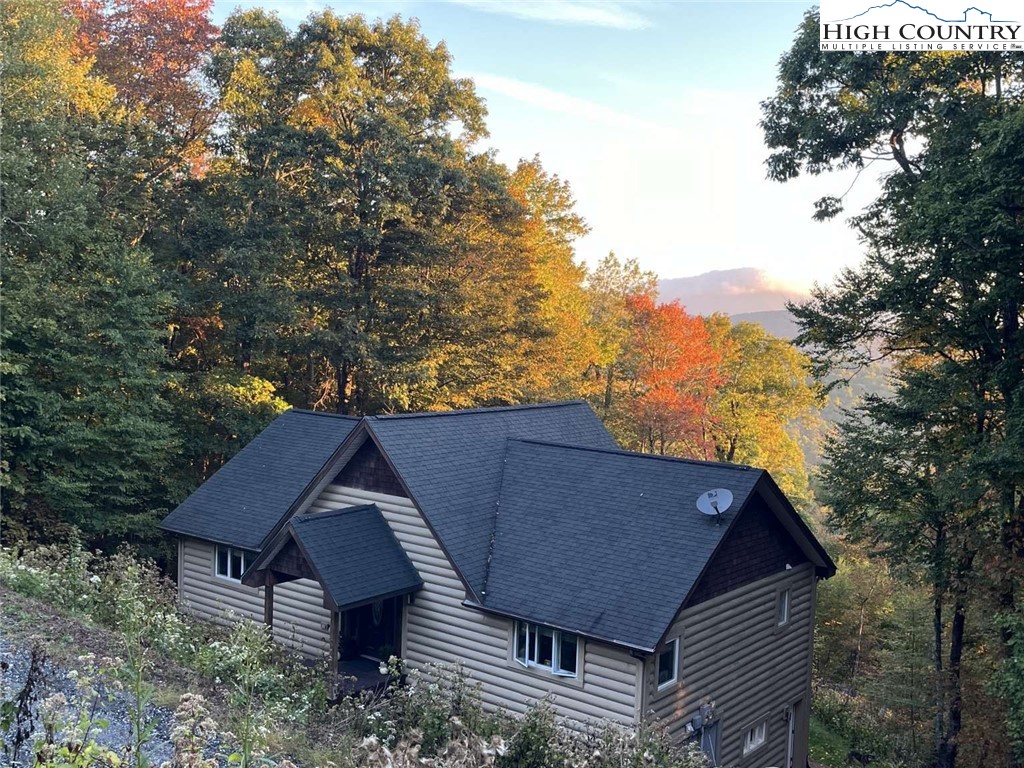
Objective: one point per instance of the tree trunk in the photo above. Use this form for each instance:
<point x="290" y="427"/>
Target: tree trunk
<point x="342" y="384"/>
<point x="609" y="381"/>
<point x="939" y="587"/>
<point x="940" y="683"/>
<point x="950" y="742"/>
<point x="310" y="379"/>
<point x="860" y="640"/>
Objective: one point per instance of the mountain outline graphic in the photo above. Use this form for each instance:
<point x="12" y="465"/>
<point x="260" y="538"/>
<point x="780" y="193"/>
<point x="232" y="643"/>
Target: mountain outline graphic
<point x="933" y="15"/>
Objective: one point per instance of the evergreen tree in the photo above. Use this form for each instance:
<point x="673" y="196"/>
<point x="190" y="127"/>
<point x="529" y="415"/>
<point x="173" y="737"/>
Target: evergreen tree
<point x="85" y="430"/>
<point x="941" y="281"/>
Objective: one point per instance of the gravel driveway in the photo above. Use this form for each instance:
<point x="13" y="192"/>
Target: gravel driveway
<point x="116" y="735"/>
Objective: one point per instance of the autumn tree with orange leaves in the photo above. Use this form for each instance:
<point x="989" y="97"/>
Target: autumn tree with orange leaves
<point x="672" y="372"/>
<point x="157" y="127"/>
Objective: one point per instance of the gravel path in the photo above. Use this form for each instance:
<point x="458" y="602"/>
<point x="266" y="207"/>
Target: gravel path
<point x="117" y="734"/>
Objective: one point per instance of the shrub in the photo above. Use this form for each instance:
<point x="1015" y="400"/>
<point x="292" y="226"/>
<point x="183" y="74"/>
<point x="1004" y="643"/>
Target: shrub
<point x="191" y="732"/>
<point x="70" y="728"/>
<point x="435" y="718"/>
<point x="432" y="700"/>
<point x="59" y="575"/>
<point x="536" y="742"/>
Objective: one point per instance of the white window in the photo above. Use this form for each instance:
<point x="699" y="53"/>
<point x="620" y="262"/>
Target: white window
<point x="545" y="648"/>
<point x="232" y="563"/>
<point x="782" y="608"/>
<point x="755" y="737"/>
<point x="668" y="664"/>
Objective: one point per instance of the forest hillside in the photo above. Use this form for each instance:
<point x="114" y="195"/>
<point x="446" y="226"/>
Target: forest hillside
<point x="204" y="226"/>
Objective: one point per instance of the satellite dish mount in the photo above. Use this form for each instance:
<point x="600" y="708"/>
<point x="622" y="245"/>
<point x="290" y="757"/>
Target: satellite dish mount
<point x="715" y="502"/>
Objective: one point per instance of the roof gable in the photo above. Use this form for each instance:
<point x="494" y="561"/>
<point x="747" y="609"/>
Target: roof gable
<point x="451" y="463"/>
<point x="243" y="501"/>
<point x="351" y="552"/>
<point x="757" y="546"/>
<point x="368" y="470"/>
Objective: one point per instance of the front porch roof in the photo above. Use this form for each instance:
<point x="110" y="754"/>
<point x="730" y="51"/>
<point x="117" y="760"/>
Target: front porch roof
<point x="351" y="552"/>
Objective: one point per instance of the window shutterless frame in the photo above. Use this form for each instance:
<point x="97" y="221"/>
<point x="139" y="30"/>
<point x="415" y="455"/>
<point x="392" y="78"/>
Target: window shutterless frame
<point x="783" y="607"/>
<point x="230" y="563"/>
<point x="667" y="665"/>
<point x="755" y="737"/>
<point x="544" y="648"/>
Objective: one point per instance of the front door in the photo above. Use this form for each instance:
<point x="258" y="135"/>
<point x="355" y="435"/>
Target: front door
<point x="373" y="630"/>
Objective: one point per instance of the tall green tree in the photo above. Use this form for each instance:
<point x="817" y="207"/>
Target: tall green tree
<point x="894" y="480"/>
<point x="941" y="279"/>
<point x="357" y="135"/>
<point x="373" y="260"/>
<point x="86" y="437"/>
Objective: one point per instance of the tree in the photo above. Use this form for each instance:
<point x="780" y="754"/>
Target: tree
<point x="610" y="287"/>
<point x="393" y="245"/>
<point x="152" y="53"/>
<point x="892" y="481"/>
<point x="85" y="434"/>
<point x="941" y="280"/>
<point x="765" y="393"/>
<point x="672" y="372"/>
<point x="848" y="612"/>
<point x="567" y="345"/>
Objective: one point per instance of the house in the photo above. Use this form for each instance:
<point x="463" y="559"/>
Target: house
<point x="526" y="544"/>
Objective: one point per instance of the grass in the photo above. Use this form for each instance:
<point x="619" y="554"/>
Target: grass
<point x="827" y="748"/>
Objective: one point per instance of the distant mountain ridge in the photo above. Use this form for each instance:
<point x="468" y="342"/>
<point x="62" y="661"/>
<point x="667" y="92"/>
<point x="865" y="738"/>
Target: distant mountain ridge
<point x="778" y="322"/>
<point x="745" y="294"/>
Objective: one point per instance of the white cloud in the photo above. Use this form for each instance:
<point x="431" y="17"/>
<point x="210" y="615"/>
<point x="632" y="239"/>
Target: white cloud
<point x="682" y="188"/>
<point x="594" y="13"/>
<point x="588" y="112"/>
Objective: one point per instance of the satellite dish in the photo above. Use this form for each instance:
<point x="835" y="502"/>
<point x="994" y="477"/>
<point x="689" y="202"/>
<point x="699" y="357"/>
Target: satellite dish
<point x="714" y="502"/>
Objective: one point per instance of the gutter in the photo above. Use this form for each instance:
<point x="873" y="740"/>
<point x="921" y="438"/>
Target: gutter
<point x="587" y="635"/>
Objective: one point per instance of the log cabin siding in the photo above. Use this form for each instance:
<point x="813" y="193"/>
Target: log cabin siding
<point x="733" y="652"/>
<point x="440" y="629"/>
<point x="300" y="620"/>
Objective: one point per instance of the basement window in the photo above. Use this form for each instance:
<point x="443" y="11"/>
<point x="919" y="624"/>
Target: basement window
<point x="756" y="737"/>
<point x="232" y="563"/>
<point x="548" y="649"/>
<point x="668" y="664"/>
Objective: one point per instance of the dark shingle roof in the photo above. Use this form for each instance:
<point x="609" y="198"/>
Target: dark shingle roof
<point x="355" y="555"/>
<point x="451" y="461"/>
<point x="246" y="498"/>
<point x="605" y="543"/>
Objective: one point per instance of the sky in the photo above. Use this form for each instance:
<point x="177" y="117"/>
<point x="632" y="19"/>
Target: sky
<point x="649" y="110"/>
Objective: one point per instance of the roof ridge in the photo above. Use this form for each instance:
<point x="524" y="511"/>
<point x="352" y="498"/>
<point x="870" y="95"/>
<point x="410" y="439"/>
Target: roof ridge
<point x="637" y="454"/>
<point x="470" y="411"/>
<point x="309" y="517"/>
<point x="310" y="412"/>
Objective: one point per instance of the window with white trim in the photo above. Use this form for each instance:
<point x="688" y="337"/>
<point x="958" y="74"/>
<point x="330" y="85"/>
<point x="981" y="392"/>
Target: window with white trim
<point x="782" y="608"/>
<point x="231" y="563"/>
<point x="756" y="737"/>
<point x="551" y="650"/>
<point x="668" y="664"/>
